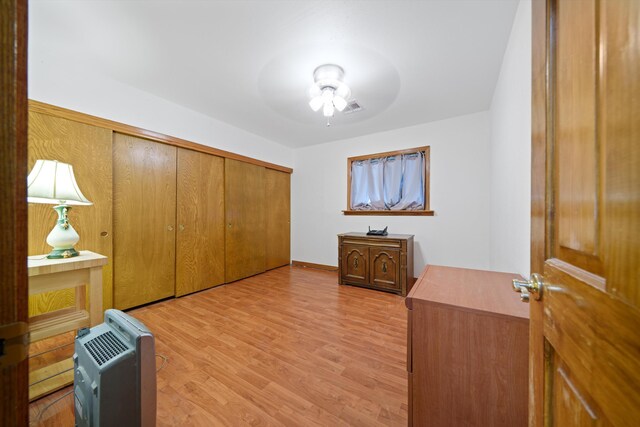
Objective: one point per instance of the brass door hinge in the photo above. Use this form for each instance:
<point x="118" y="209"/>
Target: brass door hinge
<point x="14" y="343"/>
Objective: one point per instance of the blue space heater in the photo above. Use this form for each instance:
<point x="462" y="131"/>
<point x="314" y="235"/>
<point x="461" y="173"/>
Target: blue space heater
<point x="114" y="382"/>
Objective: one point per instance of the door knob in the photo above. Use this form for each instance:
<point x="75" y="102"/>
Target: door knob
<point x="528" y="287"/>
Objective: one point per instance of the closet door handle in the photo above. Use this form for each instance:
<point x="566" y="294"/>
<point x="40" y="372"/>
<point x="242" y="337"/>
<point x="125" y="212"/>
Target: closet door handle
<point x="181" y="227"/>
<point x="170" y="227"/>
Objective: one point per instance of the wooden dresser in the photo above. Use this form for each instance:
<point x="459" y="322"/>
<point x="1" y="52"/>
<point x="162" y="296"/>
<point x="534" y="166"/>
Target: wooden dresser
<point x="377" y="262"/>
<point x="467" y="350"/>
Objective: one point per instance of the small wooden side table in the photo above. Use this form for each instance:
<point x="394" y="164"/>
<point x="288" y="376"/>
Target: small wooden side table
<point x="84" y="273"/>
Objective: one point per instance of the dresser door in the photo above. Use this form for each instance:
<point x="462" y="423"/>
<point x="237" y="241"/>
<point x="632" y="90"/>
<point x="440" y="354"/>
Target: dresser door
<point x="355" y="260"/>
<point x="385" y="268"/>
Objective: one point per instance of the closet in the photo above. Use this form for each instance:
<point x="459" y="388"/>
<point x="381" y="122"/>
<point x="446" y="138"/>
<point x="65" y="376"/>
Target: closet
<point x="200" y="218"/>
<point x="144" y="215"/>
<point x="172" y="216"/>
<point x="277" y="223"/>
<point x="245" y="206"/>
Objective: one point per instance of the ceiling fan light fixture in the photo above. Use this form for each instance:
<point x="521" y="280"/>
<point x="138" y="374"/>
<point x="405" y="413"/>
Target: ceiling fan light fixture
<point x="328" y="109"/>
<point x="339" y="102"/>
<point x="329" y="90"/>
<point x="328" y="75"/>
<point x="327" y="94"/>
<point x="343" y="91"/>
<point x="316" y="103"/>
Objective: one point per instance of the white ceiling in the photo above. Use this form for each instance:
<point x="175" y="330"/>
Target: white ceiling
<point x="250" y="63"/>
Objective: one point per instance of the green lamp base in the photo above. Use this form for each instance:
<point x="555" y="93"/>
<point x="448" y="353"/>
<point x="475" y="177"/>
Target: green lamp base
<point x="62" y="253"/>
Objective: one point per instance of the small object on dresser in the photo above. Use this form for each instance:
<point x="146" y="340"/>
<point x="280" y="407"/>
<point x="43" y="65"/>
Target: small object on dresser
<point x="377" y="232"/>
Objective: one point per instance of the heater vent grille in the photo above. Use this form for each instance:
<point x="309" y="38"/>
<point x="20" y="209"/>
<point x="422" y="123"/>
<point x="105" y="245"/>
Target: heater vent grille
<point x="105" y="347"/>
<point x="352" y="107"/>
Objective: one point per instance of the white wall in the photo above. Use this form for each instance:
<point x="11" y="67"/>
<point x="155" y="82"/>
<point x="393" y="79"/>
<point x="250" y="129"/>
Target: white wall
<point x="71" y="84"/>
<point x="511" y="152"/>
<point x="458" y="235"/>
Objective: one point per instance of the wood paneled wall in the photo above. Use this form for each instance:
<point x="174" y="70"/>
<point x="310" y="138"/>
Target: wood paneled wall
<point x="52" y="110"/>
<point x="88" y="149"/>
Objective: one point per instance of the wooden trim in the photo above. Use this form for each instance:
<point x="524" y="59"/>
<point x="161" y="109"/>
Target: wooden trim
<point x="13" y="201"/>
<point x="52" y="110"/>
<point x="389" y="213"/>
<point x="540" y="132"/>
<point x="312" y="265"/>
<point x="427" y="183"/>
<point x="390" y="153"/>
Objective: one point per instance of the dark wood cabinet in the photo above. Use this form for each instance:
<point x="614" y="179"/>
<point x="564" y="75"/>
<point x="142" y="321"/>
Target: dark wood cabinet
<point x="377" y="262"/>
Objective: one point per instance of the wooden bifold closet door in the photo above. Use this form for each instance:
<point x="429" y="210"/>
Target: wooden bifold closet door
<point x="200" y="238"/>
<point x="278" y="218"/>
<point x="144" y="215"/>
<point x="245" y="207"/>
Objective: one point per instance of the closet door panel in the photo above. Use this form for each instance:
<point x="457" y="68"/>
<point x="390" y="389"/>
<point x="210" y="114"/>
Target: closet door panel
<point x="88" y="149"/>
<point x="144" y="214"/>
<point x="200" y="238"/>
<point x="278" y="214"/>
<point x="245" y="219"/>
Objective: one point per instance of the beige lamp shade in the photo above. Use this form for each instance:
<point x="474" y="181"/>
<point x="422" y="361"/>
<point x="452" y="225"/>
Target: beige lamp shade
<point x="53" y="182"/>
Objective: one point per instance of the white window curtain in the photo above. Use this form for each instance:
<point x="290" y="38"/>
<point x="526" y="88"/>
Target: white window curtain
<point x="388" y="183"/>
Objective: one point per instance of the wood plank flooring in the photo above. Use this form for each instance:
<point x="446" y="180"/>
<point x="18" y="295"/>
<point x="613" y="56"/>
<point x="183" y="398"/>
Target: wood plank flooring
<point x="287" y="347"/>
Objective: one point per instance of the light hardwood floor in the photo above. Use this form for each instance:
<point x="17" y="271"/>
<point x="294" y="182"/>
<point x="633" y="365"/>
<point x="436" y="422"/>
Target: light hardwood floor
<point x="287" y="347"/>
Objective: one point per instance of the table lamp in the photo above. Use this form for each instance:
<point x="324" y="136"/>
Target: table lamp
<point x="53" y="182"/>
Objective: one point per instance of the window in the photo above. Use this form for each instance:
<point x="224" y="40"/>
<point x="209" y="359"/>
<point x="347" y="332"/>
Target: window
<point x="392" y="183"/>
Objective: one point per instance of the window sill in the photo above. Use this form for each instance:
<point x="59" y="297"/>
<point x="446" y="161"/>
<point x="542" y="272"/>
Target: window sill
<point x="387" y="213"/>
